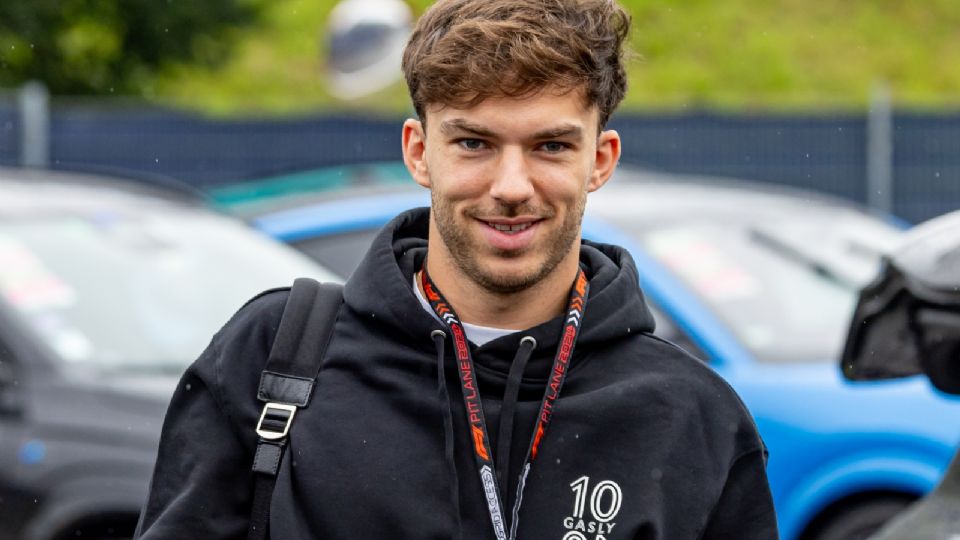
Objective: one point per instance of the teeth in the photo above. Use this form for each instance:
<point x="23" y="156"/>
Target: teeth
<point x="509" y="228"/>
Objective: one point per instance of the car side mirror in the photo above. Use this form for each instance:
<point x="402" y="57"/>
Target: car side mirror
<point x="907" y="321"/>
<point x="939" y="337"/>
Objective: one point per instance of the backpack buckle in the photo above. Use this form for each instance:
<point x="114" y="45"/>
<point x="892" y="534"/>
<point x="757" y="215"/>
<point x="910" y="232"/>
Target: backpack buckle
<point x="275" y="420"/>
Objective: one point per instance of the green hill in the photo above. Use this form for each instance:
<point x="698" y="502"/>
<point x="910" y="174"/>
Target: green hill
<point x="731" y="54"/>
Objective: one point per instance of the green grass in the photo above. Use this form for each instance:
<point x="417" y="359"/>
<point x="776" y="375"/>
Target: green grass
<point x="727" y="54"/>
<point x="794" y="53"/>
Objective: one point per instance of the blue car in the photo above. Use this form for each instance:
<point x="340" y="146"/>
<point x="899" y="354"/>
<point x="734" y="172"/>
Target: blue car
<point x="758" y="282"/>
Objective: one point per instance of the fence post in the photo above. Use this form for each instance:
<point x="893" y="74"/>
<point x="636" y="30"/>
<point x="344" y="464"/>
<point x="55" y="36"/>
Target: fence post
<point x="34" y="125"/>
<point x="880" y="150"/>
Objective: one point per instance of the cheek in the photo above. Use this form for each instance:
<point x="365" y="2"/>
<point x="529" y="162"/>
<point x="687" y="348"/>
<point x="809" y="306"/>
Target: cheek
<point x="567" y="187"/>
<point x="457" y="182"/>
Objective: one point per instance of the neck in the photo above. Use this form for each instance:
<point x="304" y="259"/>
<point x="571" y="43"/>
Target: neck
<point x="514" y="311"/>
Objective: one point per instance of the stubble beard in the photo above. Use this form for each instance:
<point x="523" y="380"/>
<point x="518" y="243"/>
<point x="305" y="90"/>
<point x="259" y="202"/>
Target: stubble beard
<point x="465" y="250"/>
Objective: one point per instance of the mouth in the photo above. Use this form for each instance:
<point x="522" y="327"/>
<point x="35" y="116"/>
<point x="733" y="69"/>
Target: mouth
<point x="510" y="235"/>
<point x="510" y="228"/>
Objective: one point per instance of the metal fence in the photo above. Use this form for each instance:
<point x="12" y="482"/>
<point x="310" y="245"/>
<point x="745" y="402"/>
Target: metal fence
<point x="926" y="165"/>
<point x="208" y="152"/>
<point x="824" y="152"/>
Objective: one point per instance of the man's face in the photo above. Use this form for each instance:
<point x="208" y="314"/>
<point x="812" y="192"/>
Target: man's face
<point x="509" y="180"/>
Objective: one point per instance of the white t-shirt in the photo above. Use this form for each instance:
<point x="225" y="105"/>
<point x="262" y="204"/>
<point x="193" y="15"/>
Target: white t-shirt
<point x="478" y="335"/>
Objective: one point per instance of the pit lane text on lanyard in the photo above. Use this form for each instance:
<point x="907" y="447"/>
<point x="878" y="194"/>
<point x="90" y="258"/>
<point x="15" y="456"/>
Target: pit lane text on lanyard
<point x="474" y="409"/>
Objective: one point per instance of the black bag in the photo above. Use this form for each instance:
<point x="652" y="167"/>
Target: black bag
<point x="287" y="382"/>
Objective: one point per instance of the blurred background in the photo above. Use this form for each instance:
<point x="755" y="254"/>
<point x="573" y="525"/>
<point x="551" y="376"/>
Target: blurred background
<point x="161" y="161"/>
<point x="858" y="99"/>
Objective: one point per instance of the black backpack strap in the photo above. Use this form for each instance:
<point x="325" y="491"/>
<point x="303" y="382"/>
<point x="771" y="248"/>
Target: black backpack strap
<point x="287" y="382"/>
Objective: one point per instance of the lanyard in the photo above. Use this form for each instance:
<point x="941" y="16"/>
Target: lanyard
<point x="474" y="409"/>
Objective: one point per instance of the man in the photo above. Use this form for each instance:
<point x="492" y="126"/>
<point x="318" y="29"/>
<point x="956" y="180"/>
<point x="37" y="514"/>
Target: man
<point x="489" y="375"/>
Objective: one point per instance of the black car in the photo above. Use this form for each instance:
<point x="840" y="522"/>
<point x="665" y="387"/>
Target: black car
<point x="108" y="290"/>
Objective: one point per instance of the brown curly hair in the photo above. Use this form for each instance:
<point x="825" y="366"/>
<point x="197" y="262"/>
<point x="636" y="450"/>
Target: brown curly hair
<point x="464" y="51"/>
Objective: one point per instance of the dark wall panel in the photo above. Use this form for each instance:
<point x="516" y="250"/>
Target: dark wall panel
<point x="209" y="152"/>
<point x="822" y="153"/>
<point x="926" y="165"/>
<point x="9" y="133"/>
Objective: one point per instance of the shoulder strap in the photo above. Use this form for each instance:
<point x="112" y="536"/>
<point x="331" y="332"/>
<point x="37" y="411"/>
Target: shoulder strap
<point x="287" y="382"/>
<point x="305" y="329"/>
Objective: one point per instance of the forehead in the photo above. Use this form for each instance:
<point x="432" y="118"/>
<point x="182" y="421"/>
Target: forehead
<point x="517" y="115"/>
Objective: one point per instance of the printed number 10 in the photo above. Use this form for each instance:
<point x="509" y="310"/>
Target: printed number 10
<point x="598" y="509"/>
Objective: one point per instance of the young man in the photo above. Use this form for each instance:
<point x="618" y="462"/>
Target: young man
<point x="490" y="375"/>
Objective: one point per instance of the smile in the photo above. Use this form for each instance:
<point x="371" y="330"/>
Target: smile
<point x="510" y="229"/>
<point x="510" y="234"/>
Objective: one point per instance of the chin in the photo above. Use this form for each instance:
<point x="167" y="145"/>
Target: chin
<point x="507" y="279"/>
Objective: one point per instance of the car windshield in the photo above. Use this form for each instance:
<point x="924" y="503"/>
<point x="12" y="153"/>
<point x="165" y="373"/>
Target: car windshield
<point x="786" y="289"/>
<point x="137" y="290"/>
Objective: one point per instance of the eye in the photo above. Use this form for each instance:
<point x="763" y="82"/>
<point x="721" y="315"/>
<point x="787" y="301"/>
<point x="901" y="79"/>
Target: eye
<point x="553" y="147"/>
<point x="471" y="145"/>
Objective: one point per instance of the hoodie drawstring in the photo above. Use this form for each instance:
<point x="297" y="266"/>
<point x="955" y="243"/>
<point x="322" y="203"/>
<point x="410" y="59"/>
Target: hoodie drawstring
<point x="508" y="413"/>
<point x="507" y="417"/>
<point x="439" y="338"/>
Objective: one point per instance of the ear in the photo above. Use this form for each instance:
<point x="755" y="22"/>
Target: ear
<point x="607" y="157"/>
<point x="415" y="151"/>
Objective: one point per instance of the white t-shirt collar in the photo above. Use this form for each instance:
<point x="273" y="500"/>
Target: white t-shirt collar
<point x="478" y="335"/>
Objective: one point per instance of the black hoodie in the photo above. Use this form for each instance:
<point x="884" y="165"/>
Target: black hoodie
<point x="645" y="442"/>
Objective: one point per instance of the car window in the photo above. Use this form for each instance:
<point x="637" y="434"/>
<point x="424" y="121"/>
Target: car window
<point x="341" y="252"/>
<point x="787" y="289"/>
<point x="139" y="289"/>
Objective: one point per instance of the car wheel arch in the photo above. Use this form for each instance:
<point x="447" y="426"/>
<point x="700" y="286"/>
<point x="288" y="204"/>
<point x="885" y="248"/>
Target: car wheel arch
<point x="106" y="501"/>
<point x="889" y="502"/>
<point x="857" y="479"/>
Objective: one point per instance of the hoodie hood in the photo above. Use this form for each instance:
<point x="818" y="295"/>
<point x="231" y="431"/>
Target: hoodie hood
<point x="381" y="290"/>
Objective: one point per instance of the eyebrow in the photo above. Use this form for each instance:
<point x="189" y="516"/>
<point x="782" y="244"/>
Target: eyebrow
<point x="562" y="131"/>
<point x="455" y="125"/>
<point x="449" y="127"/>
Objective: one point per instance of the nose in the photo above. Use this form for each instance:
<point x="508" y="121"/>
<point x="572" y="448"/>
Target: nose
<point x="512" y="182"/>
